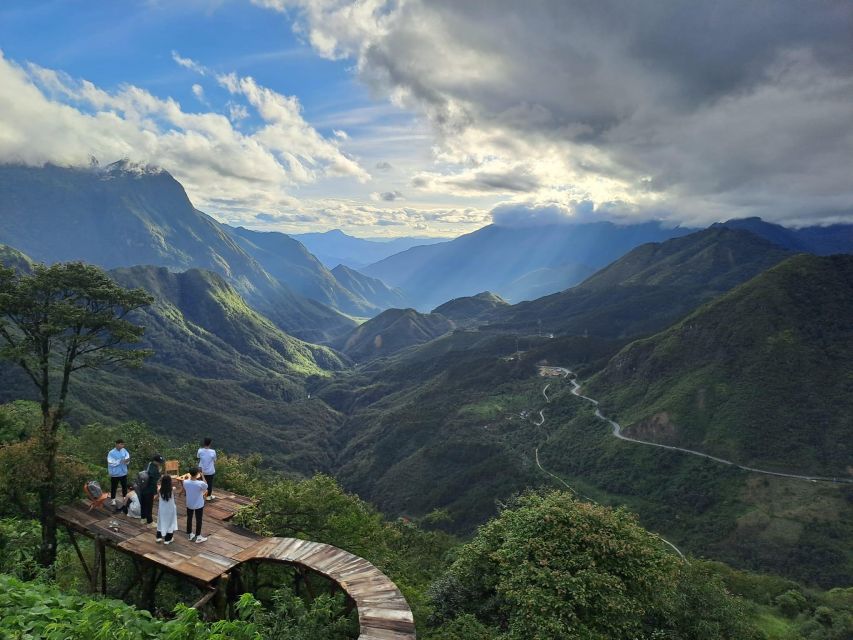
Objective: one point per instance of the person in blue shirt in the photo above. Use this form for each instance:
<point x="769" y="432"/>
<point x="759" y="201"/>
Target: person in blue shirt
<point x="194" y="488"/>
<point x="117" y="460"/>
<point x="207" y="461"/>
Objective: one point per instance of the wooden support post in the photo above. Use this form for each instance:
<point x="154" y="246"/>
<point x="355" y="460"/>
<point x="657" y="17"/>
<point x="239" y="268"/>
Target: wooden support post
<point x="103" y="554"/>
<point x="159" y="577"/>
<point x="235" y="585"/>
<point x="96" y="565"/>
<point x="306" y="578"/>
<point x="147" y="599"/>
<point x="220" y="600"/>
<point x="254" y="580"/>
<point x="204" y="599"/>
<point x="79" y="554"/>
<point x="134" y="581"/>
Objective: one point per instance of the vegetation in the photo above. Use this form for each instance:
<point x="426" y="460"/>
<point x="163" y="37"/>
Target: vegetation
<point x="498" y="586"/>
<point x="391" y="331"/>
<point x="552" y="567"/>
<point x="54" y="322"/>
<point x="762" y="375"/>
<point x="219" y="369"/>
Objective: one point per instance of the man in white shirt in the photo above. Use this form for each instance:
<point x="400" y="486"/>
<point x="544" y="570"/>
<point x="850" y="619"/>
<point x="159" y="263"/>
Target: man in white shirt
<point x="117" y="460"/>
<point x="194" y="488"/>
<point x="206" y="460"/>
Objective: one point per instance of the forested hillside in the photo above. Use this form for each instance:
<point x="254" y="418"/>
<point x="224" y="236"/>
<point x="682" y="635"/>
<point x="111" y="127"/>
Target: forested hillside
<point x="762" y="375"/>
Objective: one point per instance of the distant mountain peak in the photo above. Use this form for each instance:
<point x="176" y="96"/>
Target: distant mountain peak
<point x="125" y="166"/>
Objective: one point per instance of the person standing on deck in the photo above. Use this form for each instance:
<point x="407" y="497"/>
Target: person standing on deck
<point x="167" y="514"/>
<point x="149" y="488"/>
<point x="194" y="488"/>
<point x="117" y="460"/>
<point x="206" y="460"/>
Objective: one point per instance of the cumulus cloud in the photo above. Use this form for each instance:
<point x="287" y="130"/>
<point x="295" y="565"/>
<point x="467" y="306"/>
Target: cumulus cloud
<point x="48" y="116"/>
<point x="383" y="165"/>
<point x="696" y="113"/>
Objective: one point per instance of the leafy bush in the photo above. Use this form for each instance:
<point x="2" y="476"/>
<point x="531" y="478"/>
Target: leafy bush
<point x="552" y="567"/>
<point x="33" y="610"/>
<point x="19" y="547"/>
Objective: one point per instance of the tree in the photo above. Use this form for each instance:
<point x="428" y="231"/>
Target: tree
<point x="550" y="566"/>
<point x="55" y="321"/>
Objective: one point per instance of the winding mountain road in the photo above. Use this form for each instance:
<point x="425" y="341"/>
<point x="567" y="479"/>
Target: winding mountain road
<point x="616" y="431"/>
<point x="571" y="488"/>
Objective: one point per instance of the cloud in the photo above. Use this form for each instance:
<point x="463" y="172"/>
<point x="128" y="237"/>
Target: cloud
<point x="387" y="196"/>
<point x="383" y="166"/>
<point x="198" y="92"/>
<point x="534" y="215"/>
<point x="359" y="217"/>
<point x="340" y="134"/>
<point x="237" y="112"/>
<point x="188" y="63"/>
<point x="480" y="181"/>
<point x="48" y="116"/>
<point x="701" y="112"/>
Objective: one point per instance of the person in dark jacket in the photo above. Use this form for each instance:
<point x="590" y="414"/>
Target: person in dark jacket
<point x="149" y="490"/>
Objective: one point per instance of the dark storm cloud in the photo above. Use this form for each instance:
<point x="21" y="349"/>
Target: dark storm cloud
<point x="705" y="109"/>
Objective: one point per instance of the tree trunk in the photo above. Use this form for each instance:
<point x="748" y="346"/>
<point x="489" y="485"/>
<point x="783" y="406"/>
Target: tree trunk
<point x="47" y="491"/>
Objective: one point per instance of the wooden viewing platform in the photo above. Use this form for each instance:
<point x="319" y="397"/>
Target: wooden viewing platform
<point x="383" y="612"/>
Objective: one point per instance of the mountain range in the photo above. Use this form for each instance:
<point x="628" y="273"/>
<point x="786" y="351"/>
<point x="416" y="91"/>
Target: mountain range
<point x="335" y="247"/>
<point x="124" y="215"/>
<point x="648" y="288"/>
<point x="515" y="263"/>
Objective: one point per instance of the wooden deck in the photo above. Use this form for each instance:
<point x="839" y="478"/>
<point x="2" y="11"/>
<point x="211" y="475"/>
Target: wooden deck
<point x="383" y="612"/>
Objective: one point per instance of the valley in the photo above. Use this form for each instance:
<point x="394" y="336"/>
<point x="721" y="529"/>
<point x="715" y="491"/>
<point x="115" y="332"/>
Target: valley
<point x="443" y="412"/>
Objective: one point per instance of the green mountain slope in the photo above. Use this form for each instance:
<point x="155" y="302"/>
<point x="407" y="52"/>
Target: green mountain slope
<point x="467" y="309"/>
<point x="203" y="305"/>
<point x="371" y="289"/>
<point x="391" y="331"/>
<point x="762" y="375"/>
<point x="289" y="261"/>
<point x="648" y="288"/>
<point x="219" y="369"/>
<point x="125" y="215"/>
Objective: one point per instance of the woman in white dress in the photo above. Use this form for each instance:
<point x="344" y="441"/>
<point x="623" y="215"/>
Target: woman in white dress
<point x="167" y="513"/>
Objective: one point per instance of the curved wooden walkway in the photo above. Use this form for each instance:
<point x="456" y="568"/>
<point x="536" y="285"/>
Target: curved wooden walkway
<point x="383" y="613"/>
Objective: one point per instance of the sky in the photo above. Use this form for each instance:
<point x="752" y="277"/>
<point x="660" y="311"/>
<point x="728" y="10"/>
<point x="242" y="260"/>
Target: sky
<point x="436" y="117"/>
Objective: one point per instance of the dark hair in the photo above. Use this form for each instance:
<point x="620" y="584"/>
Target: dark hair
<point x="207" y="442"/>
<point x="119" y="441"/>
<point x="166" y="488"/>
<point x="157" y="458"/>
